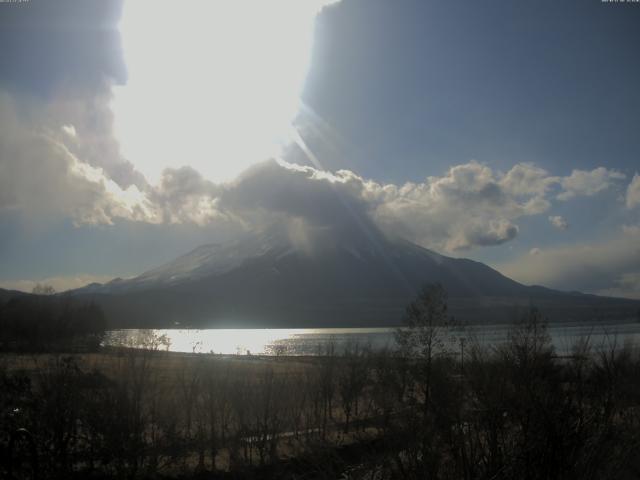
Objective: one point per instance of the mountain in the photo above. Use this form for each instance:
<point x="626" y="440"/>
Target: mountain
<point x="273" y="279"/>
<point x="6" y="295"/>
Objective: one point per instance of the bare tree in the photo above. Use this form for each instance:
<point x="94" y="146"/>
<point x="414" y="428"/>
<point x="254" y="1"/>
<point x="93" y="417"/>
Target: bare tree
<point x="352" y="378"/>
<point x="424" y="336"/>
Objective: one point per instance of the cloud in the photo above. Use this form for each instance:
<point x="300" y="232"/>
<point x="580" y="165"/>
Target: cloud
<point x="633" y="192"/>
<point x="471" y="205"/>
<point x="527" y="179"/>
<point x="468" y="206"/>
<point x="183" y="195"/>
<point x="60" y="284"/>
<point x="626" y="285"/>
<point x="588" y="267"/>
<point x="322" y="198"/>
<point x="61" y="158"/>
<point x="64" y="160"/>
<point x="588" y="183"/>
<point x="86" y="122"/>
<point x="558" y="222"/>
<point x="41" y="176"/>
<point x="535" y="251"/>
<point x="69" y="130"/>
<point x="495" y="232"/>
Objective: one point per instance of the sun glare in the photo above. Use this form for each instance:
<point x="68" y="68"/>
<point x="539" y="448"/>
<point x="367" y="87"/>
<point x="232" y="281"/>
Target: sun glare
<point x="213" y="84"/>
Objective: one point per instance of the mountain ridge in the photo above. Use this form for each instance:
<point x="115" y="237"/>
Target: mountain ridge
<point x="273" y="279"/>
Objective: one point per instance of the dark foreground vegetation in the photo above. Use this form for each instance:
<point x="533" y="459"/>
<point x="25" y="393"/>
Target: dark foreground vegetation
<point x="50" y="322"/>
<point x="433" y="409"/>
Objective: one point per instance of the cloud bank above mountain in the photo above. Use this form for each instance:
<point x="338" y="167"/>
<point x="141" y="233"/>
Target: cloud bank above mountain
<point x="60" y="159"/>
<point x="607" y="267"/>
<point x="67" y="168"/>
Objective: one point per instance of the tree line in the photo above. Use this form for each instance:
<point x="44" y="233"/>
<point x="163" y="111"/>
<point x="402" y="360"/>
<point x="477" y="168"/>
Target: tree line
<point x="44" y="322"/>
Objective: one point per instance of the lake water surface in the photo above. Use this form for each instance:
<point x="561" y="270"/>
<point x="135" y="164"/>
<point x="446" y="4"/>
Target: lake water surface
<point x="314" y="341"/>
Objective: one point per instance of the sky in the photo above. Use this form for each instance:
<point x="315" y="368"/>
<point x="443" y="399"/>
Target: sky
<point x="505" y="132"/>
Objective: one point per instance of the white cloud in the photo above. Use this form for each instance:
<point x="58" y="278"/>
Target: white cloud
<point x="527" y="179"/>
<point x="87" y="131"/>
<point x="633" y="192"/>
<point x="559" y="222"/>
<point x="470" y="205"/>
<point x="535" y="251"/>
<point x="41" y="176"/>
<point x="588" y="183"/>
<point x="589" y="267"/>
<point x="69" y="130"/>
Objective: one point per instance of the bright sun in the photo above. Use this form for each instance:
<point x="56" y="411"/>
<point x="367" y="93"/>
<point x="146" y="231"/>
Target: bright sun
<point x="213" y="84"/>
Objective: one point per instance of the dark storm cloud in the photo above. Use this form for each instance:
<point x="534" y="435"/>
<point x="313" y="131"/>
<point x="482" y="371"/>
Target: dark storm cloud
<point x="59" y="60"/>
<point x="321" y="198"/>
<point x="63" y="44"/>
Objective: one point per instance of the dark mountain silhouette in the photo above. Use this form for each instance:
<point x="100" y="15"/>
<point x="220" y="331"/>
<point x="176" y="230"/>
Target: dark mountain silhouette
<point x="357" y="277"/>
<point x="6" y="295"/>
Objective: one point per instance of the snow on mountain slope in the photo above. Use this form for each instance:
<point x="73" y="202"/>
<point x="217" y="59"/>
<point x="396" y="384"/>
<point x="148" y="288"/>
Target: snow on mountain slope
<point x="352" y="279"/>
<point x="397" y="267"/>
<point x="204" y="261"/>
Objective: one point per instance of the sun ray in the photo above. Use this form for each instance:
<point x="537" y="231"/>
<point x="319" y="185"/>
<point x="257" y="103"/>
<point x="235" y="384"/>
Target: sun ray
<point x="212" y="84"/>
<point x="359" y="222"/>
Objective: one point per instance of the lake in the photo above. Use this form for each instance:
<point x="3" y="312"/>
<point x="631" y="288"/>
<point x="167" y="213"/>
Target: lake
<point x="314" y="341"/>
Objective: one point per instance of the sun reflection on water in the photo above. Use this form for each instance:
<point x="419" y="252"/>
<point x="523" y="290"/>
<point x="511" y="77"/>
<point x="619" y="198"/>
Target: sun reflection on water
<point x="234" y="341"/>
<point x="313" y="341"/>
